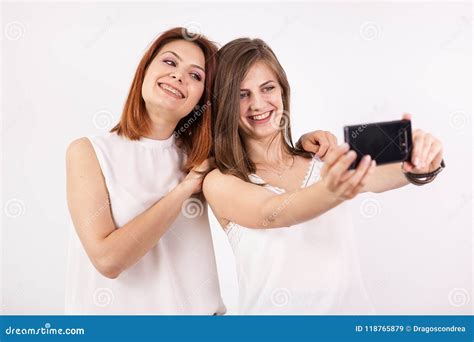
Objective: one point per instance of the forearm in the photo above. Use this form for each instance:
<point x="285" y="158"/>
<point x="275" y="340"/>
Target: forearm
<point x="299" y="206"/>
<point x="386" y="177"/>
<point x="128" y="244"/>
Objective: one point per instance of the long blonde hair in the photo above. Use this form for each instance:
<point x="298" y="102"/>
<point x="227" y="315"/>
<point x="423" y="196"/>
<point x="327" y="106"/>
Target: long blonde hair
<point x="234" y="61"/>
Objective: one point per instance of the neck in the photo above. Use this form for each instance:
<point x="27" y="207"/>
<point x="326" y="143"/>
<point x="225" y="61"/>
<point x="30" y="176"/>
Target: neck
<point x="267" y="151"/>
<point x="161" y="127"/>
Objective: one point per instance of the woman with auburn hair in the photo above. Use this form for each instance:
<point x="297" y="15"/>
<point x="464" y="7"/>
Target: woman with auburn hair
<point x="135" y="251"/>
<point x="289" y="225"/>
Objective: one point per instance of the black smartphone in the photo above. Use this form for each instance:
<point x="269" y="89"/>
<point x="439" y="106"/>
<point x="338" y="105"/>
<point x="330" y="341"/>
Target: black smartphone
<point x="386" y="142"/>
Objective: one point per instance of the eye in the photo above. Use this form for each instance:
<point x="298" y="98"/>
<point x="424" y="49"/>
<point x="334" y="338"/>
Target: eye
<point x="196" y="76"/>
<point x="268" y="89"/>
<point x="243" y="95"/>
<point x="170" y="62"/>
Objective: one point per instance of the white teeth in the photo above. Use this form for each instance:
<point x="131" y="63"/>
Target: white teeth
<point x="261" y="116"/>
<point x="171" y="89"/>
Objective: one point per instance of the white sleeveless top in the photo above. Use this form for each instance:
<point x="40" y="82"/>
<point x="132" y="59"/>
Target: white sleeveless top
<point x="310" y="268"/>
<point x="177" y="276"/>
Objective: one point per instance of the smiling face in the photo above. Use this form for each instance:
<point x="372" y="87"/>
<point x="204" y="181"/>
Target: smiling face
<point x="261" y="103"/>
<point x="174" y="80"/>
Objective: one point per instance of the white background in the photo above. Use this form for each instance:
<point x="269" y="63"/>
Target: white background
<point x="67" y="68"/>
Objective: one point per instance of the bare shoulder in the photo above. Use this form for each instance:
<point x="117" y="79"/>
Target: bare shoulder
<point x="216" y="180"/>
<point x="79" y="148"/>
<point x="81" y="159"/>
<point x="214" y="175"/>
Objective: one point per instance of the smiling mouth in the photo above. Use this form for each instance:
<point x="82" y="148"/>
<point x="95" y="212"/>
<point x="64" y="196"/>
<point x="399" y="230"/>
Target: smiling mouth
<point x="261" y="117"/>
<point x="171" y="90"/>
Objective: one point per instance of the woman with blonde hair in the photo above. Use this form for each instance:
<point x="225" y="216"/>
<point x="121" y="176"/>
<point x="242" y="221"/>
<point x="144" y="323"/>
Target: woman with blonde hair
<point x="284" y="210"/>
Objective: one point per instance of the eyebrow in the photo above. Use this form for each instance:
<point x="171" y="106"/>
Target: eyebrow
<point x="261" y="85"/>
<point x="180" y="59"/>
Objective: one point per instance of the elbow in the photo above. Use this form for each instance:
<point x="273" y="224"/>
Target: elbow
<point x="107" y="267"/>
<point x="111" y="274"/>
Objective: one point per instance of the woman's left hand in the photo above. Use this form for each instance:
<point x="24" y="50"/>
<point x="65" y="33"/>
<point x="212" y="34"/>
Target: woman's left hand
<point x="427" y="152"/>
<point x="318" y="142"/>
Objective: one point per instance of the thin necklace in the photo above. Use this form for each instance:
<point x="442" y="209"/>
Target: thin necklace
<point x="279" y="174"/>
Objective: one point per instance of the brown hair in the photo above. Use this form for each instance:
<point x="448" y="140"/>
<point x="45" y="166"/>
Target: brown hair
<point x="134" y="123"/>
<point x="234" y="61"/>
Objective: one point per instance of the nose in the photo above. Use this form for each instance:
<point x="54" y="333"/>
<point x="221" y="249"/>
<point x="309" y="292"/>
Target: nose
<point x="177" y="76"/>
<point x="257" y="102"/>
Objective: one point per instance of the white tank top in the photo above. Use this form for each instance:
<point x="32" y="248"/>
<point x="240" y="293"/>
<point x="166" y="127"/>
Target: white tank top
<point x="310" y="268"/>
<point x="177" y="276"/>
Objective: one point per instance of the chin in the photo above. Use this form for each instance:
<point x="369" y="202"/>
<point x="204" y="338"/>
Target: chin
<point x="263" y="134"/>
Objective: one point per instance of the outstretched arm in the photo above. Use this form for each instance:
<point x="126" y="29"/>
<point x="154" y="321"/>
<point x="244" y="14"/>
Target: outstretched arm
<point x="253" y="206"/>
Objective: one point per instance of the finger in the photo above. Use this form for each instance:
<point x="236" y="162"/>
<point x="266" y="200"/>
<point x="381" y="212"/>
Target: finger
<point x="406" y="116"/>
<point x="203" y="167"/>
<point x="332" y="140"/>
<point x="336" y="170"/>
<point x="323" y="149"/>
<point x="319" y="137"/>
<point x="341" y="166"/>
<point x="407" y="166"/>
<point x="362" y="169"/>
<point x="417" y="147"/>
<point x="439" y="157"/>
<point x="348" y="174"/>
<point x="311" y="143"/>
<point x="333" y="156"/>
<point x="435" y="149"/>
<point x="311" y="147"/>
<point x="427" y="141"/>
<point x="331" y="144"/>
<point x="363" y="181"/>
